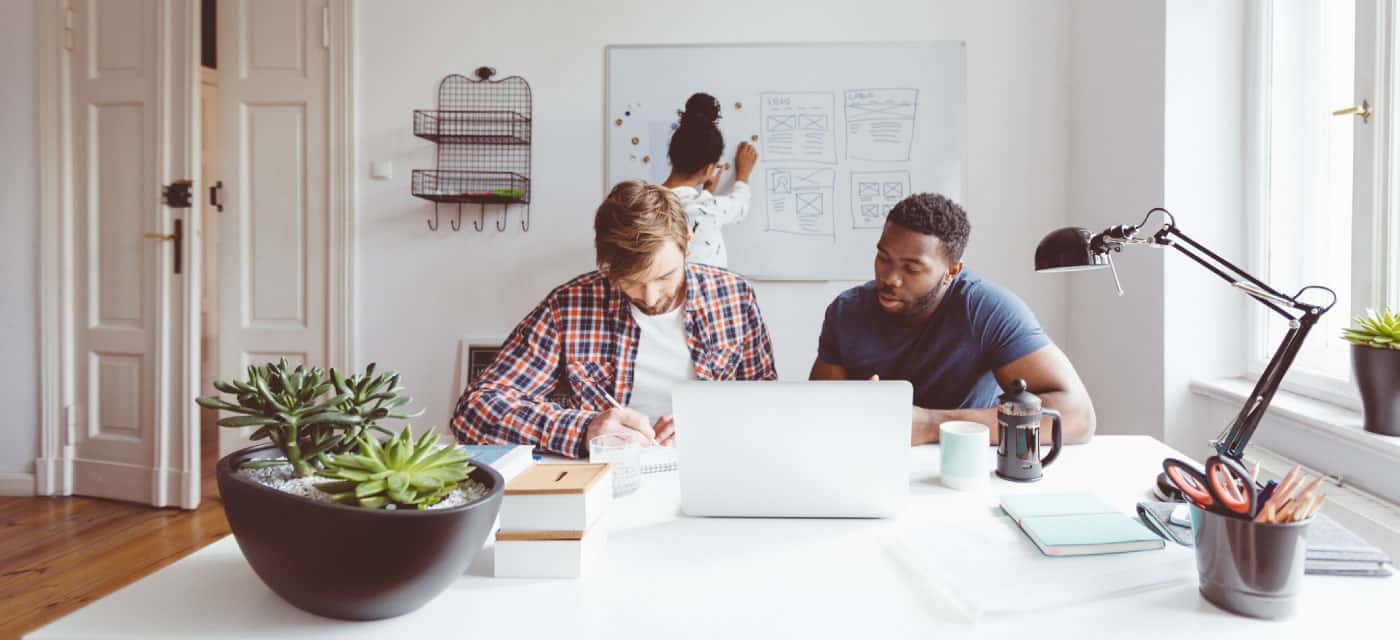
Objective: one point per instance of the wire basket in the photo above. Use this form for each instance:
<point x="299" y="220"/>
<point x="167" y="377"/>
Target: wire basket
<point x="462" y="186"/>
<point x="472" y="127"/>
<point x="482" y="128"/>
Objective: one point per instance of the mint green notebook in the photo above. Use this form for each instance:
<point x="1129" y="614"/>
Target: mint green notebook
<point x="1077" y="524"/>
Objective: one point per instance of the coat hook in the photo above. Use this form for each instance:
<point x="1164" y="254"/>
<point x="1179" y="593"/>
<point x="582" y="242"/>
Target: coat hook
<point x="480" y="223"/>
<point x="501" y="223"/>
<point x="525" y="218"/>
<point x="457" y="224"/>
<point x="433" y="223"/>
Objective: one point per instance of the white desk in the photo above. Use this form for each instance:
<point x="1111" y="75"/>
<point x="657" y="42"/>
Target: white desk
<point x="671" y="576"/>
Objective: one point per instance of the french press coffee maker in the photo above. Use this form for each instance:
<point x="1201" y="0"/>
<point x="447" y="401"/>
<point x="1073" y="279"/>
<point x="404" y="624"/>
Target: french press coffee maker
<point x="1018" y="430"/>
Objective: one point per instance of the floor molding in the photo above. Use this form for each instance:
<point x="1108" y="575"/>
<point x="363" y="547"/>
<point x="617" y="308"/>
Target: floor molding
<point x="16" y="484"/>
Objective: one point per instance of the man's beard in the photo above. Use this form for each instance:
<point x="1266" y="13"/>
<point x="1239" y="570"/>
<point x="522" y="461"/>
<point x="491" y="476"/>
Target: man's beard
<point x="665" y="305"/>
<point x="917" y="308"/>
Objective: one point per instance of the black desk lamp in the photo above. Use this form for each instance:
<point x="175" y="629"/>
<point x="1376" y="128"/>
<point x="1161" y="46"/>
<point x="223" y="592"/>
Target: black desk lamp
<point x="1075" y="249"/>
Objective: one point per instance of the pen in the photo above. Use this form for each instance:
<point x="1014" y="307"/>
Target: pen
<point x="606" y="396"/>
<point x="599" y="390"/>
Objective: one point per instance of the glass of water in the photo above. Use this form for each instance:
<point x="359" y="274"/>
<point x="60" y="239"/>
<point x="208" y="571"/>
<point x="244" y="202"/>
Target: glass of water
<point x="625" y="456"/>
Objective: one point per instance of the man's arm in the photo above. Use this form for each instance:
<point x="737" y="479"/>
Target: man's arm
<point x="926" y="421"/>
<point x="758" y="362"/>
<point x="823" y="370"/>
<point x="506" y="405"/>
<point x="1049" y="374"/>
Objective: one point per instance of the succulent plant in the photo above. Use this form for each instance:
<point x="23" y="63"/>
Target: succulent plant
<point x="372" y="398"/>
<point x="399" y="472"/>
<point x="289" y="407"/>
<point x="306" y="414"/>
<point x="1375" y="329"/>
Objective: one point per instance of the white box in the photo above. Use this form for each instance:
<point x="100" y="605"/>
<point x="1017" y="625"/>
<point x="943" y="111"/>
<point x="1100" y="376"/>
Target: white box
<point x="557" y="498"/>
<point x="528" y="555"/>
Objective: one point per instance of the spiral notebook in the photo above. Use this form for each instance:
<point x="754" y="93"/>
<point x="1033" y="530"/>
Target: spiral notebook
<point x="658" y="459"/>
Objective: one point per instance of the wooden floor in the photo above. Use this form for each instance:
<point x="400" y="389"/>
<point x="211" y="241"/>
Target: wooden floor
<point x="58" y="554"/>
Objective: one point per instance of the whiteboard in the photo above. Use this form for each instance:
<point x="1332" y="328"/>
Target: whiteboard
<point x="843" y="131"/>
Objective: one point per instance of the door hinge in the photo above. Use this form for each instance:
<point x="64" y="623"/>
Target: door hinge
<point x="69" y="19"/>
<point x="325" y="27"/>
<point x="177" y="194"/>
<point x="216" y="195"/>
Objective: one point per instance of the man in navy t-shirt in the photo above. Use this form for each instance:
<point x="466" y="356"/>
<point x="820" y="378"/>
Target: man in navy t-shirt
<point x="955" y="336"/>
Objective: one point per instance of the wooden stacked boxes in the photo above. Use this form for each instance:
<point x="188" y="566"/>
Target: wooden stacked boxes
<point x="552" y="522"/>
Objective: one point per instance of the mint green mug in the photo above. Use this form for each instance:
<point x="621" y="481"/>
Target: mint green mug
<point x="965" y="454"/>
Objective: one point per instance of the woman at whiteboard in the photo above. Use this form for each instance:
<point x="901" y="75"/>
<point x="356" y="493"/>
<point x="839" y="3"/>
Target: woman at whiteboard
<point x="695" y="151"/>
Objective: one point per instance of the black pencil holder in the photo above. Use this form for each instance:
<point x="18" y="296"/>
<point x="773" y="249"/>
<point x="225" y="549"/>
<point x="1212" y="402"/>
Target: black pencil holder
<point x="1250" y="568"/>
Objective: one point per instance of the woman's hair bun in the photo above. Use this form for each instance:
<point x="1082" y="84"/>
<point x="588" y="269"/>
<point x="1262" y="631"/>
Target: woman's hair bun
<point x="701" y="108"/>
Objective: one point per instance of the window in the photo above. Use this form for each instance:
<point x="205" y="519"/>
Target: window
<point x="1320" y="205"/>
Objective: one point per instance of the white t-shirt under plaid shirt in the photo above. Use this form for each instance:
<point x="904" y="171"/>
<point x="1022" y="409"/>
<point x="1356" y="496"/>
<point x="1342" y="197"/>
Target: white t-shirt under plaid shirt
<point x="706" y="213"/>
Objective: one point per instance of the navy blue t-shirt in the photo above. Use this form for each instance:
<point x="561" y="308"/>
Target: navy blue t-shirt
<point x="950" y="359"/>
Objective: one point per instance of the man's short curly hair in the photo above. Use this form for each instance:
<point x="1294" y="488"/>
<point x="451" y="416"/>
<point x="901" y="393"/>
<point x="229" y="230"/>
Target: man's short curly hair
<point x="934" y="215"/>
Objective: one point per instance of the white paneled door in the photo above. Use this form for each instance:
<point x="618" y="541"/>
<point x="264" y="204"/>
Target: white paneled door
<point x="131" y="430"/>
<point x="274" y="93"/>
<point x="126" y="263"/>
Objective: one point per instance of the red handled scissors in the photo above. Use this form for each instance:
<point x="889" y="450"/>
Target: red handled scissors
<point x="1225" y="487"/>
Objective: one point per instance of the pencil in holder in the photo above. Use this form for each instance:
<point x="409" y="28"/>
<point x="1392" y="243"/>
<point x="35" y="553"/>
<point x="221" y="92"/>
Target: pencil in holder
<point x="1249" y="568"/>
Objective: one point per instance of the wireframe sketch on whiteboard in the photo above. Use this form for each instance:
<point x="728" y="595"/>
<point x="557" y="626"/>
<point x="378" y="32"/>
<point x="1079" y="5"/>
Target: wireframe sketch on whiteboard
<point x="799" y="126"/>
<point x="819" y="113"/>
<point x="880" y="123"/>
<point x="801" y="201"/>
<point x="873" y="194"/>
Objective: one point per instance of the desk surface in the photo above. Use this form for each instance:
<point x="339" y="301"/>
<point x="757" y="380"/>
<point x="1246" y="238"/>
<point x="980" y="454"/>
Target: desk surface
<point x="673" y="576"/>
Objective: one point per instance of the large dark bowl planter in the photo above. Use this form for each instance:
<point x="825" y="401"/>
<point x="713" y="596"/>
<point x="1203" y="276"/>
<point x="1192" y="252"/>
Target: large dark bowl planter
<point x="350" y="562"/>
<point x="1378" y="376"/>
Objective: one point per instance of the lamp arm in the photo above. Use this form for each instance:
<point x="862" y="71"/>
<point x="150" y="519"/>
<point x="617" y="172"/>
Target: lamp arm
<point x="1169" y="235"/>
<point x="1232" y="441"/>
<point x="1301" y="316"/>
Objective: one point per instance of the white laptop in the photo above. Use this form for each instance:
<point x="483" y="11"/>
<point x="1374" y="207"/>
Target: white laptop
<point x="793" y="449"/>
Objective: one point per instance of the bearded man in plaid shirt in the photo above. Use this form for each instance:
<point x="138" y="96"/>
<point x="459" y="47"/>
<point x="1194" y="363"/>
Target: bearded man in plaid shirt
<point x="643" y="321"/>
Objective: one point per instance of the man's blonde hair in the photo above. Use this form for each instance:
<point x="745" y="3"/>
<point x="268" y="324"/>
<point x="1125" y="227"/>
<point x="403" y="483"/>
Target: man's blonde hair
<point x="633" y="223"/>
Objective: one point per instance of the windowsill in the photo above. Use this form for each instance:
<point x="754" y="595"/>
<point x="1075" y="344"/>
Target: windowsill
<point x="1316" y="415"/>
<point x="1325" y="438"/>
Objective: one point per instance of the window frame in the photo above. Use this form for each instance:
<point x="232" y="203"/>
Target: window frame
<point x="1375" y="254"/>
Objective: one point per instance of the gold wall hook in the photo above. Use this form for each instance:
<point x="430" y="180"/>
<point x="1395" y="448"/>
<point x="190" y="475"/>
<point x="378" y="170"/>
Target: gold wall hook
<point x="160" y="236"/>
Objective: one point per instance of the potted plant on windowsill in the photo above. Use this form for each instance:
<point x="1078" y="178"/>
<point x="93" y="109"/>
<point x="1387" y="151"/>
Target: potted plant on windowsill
<point x="335" y="520"/>
<point x="1375" y="361"/>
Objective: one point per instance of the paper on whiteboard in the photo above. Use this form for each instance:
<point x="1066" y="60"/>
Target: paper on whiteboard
<point x="843" y="131"/>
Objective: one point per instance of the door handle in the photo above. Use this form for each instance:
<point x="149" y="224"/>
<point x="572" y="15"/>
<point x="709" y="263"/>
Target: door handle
<point x="1363" y="110"/>
<point x="216" y="195"/>
<point x="177" y="236"/>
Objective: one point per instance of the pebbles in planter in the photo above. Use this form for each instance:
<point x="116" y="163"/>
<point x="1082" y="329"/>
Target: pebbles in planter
<point x="283" y="478"/>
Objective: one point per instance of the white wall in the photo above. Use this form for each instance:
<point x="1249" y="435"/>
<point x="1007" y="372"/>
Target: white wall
<point x="1205" y="319"/>
<point x="420" y="291"/>
<point x="1117" y="63"/>
<point x="1158" y="120"/>
<point x="19" y="191"/>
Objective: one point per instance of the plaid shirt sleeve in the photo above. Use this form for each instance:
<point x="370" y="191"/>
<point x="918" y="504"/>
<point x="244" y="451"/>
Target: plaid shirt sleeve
<point x="508" y="405"/>
<point x="757" y="362"/>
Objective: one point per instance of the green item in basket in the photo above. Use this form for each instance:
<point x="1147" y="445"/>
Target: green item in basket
<point x="513" y="192"/>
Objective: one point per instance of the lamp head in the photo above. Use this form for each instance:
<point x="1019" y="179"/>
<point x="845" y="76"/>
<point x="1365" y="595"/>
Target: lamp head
<point x="1070" y="249"/>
